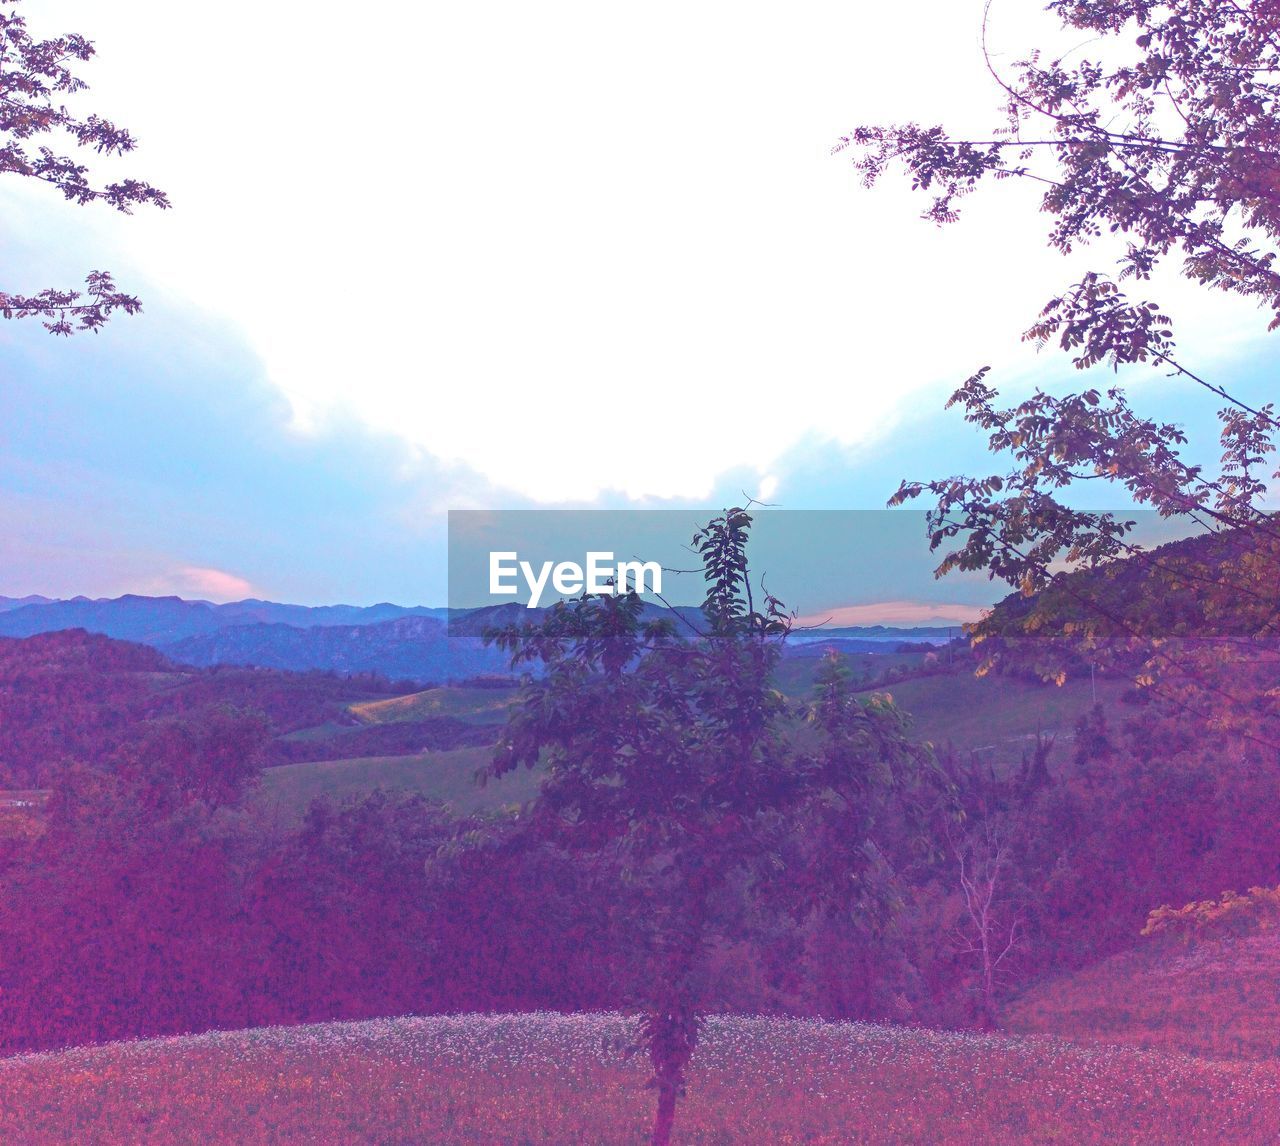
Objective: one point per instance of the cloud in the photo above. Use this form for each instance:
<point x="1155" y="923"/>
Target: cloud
<point x="580" y="288"/>
<point x="895" y="613"/>
<point x="215" y="584"/>
<point x="578" y="280"/>
<point x="195" y="582"/>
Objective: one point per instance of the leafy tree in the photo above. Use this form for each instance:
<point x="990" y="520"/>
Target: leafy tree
<point x="212" y="759"/>
<point x="1165" y="142"/>
<point x="670" y="755"/>
<point x="35" y="76"/>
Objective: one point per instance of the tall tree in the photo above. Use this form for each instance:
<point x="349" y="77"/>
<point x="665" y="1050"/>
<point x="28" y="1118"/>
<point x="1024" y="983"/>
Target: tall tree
<point x="1166" y="141"/>
<point x="36" y="75"/>
<point x="671" y="755"/>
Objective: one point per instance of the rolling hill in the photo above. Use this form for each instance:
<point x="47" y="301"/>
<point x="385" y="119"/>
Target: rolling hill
<point x="447" y="776"/>
<point x="82" y="696"/>
<point x="487" y="706"/>
<point x="1208" y="994"/>
<point x="523" y="1078"/>
<point x="413" y="647"/>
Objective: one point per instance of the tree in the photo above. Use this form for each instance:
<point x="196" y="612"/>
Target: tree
<point x="35" y="75"/>
<point x="213" y="759"/>
<point x="1168" y="142"/>
<point x="670" y="756"/>
<point x="982" y="859"/>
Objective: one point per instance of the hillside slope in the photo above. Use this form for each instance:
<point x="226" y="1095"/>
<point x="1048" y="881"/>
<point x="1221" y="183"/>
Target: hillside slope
<point x="81" y="696"/>
<point x="1215" y="996"/>
<point x="553" y="1078"/>
<point x="447" y="776"/>
<point x="477" y="705"/>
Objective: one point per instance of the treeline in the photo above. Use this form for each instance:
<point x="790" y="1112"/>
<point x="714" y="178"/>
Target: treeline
<point x="159" y="899"/>
<point x="78" y="696"/>
<point x="156" y="896"/>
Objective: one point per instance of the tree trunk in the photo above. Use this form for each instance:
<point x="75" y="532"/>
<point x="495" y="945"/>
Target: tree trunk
<point x="666" y="1115"/>
<point x="988" y="1016"/>
<point x="672" y="1033"/>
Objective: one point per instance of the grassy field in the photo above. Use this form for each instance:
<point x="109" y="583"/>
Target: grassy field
<point x="519" y="1079"/>
<point x="1217" y="997"/>
<point x="445" y="776"/>
<point x="973" y="712"/>
<point x="317" y="732"/>
<point x="474" y="705"/>
<point x="996" y="716"/>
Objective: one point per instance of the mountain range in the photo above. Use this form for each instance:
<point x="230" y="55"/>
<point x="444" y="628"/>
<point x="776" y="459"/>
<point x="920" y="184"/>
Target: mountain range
<point x="416" y="642"/>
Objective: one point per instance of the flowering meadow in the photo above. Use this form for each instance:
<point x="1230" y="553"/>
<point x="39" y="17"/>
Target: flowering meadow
<point x="553" y="1078"/>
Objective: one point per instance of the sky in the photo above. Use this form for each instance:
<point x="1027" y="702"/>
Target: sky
<point x="509" y="256"/>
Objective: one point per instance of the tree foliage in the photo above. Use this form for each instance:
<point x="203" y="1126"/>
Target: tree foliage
<point x="1166" y="139"/>
<point x="36" y="75"/>
<point x="1160" y="135"/>
<point x="671" y="757"/>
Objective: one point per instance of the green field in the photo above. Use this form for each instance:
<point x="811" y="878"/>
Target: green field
<point x="1214" y="997"/>
<point x="445" y="776"/>
<point x="317" y="732"/>
<point x="474" y="705"/>
<point x="511" y="1080"/>
<point x="996" y="716"/>
<point x="796" y="675"/>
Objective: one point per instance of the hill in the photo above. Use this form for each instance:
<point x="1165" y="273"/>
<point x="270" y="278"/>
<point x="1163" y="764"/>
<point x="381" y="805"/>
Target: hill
<point x="997" y="716"/>
<point x="477" y="705"/>
<point x="524" y="1078"/>
<point x="1202" y="990"/>
<point x="82" y="696"/>
<point x="75" y="695"/>
<point x="433" y="741"/>
<point x="417" y="648"/>
<point x="448" y="776"/>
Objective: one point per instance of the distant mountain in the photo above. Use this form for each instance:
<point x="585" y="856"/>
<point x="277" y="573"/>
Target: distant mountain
<point x="412" y="642"/>
<point x="413" y="647"/>
<point x="163" y="620"/>
<point x="9" y="603"/>
<point x="313" y="616"/>
<point x="148" y="620"/>
<point x="878" y="635"/>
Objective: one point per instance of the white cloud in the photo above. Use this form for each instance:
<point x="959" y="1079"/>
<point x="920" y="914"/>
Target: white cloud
<point x="216" y="584"/>
<point x="573" y="246"/>
<point x="194" y="581"/>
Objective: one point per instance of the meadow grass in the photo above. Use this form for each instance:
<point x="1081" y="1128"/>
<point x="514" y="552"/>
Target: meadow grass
<point x="549" y="1078"/>
<point x="997" y="716"/>
<point x="1216" y="997"/>
<point x="447" y="776"/>
<point x="474" y="705"/>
